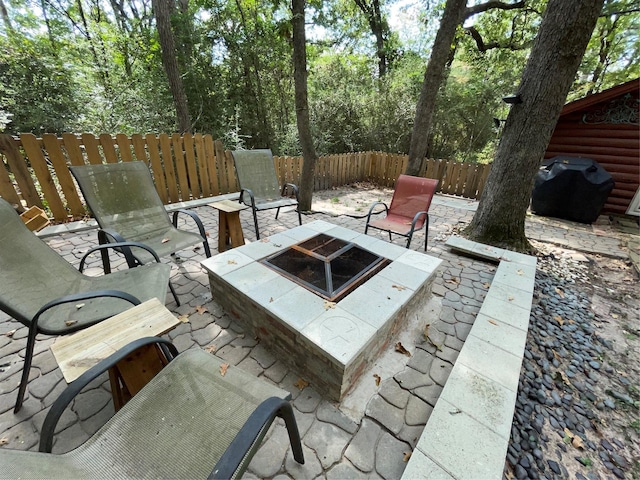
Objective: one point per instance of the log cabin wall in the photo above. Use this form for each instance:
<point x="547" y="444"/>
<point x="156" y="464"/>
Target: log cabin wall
<point x="604" y="127"/>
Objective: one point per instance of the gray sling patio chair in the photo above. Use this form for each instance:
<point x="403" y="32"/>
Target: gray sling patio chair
<point x="127" y="207"/>
<point x="43" y="291"/>
<point x="190" y="421"/>
<point x="259" y="186"/>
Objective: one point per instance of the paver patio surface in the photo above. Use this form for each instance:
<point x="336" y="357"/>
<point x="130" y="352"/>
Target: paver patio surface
<point x="371" y="432"/>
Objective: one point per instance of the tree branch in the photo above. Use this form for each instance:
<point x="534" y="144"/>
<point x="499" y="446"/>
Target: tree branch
<point x="483" y="7"/>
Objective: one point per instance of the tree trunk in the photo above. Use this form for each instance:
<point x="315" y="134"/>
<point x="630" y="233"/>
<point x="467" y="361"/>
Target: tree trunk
<point x="380" y="30"/>
<point x="555" y="57"/>
<point x="162" y="10"/>
<point x="452" y="17"/>
<point x="302" y="105"/>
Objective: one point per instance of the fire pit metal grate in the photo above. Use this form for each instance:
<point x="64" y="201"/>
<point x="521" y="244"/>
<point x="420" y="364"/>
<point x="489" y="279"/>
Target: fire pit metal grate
<point x="327" y="266"/>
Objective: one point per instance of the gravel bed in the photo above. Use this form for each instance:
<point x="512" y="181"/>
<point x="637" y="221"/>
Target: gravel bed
<point x="570" y="386"/>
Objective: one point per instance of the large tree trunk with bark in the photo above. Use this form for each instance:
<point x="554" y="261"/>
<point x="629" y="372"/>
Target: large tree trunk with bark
<point x="162" y="10"/>
<point x="452" y="17"/>
<point x="302" y="105"/>
<point x="555" y="57"/>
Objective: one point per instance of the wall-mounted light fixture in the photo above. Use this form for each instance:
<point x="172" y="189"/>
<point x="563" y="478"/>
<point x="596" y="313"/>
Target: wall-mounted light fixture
<point x="512" y="99"/>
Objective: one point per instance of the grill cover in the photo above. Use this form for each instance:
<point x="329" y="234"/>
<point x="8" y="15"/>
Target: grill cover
<point x="571" y="188"/>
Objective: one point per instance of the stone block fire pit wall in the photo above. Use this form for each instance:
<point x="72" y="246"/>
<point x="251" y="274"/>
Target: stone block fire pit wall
<point x="328" y="344"/>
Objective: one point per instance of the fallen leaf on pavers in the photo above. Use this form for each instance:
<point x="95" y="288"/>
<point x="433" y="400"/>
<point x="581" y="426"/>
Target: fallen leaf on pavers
<point x="426" y="330"/>
<point x="614" y="315"/>
<point x="406" y="457"/>
<point x="223" y="369"/>
<point x="3" y="441"/>
<point x="196" y="248"/>
<point x="301" y="384"/>
<point x="79" y="306"/>
<point x="270" y="299"/>
<point x="520" y="272"/>
<point x="453" y="280"/>
<point x="399" y="287"/>
<point x="377" y="379"/>
<point x="206" y="234"/>
<point x="558" y="319"/>
<point x="493" y="322"/>
<point x="68" y="323"/>
<point x="560" y="292"/>
<point x="328" y="304"/>
<point x="400" y="349"/>
<point x="486" y="284"/>
<point x="231" y="262"/>
<point x="577" y="442"/>
<point x="184" y="318"/>
<point x="568" y="435"/>
<point x="455" y="412"/>
<point x="164" y="240"/>
<point x="510" y="298"/>
<point x="561" y="376"/>
<point x="10" y="333"/>
<point x="201" y="309"/>
<point x="210" y="348"/>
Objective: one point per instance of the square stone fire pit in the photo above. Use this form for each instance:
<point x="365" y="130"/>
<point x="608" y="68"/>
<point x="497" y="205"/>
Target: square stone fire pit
<point x="328" y="343"/>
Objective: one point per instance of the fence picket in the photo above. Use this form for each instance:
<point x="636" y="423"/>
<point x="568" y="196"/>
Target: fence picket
<point x="192" y="169"/>
<point x="203" y="166"/>
<point x="21" y="174"/>
<point x="107" y="143"/>
<point x="57" y="158"/>
<point x="124" y="147"/>
<point x="91" y="149"/>
<point x="38" y="162"/>
<point x="181" y="168"/>
<point x="156" y="167"/>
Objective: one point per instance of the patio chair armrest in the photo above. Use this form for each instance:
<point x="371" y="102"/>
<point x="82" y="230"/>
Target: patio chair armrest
<point x="75" y="387"/>
<point x="125" y="248"/>
<point x="103" y="238"/>
<point x="78" y="297"/>
<point x="254" y="428"/>
<point x="416" y="217"/>
<point x="195" y="218"/>
<point x="293" y="187"/>
<point x="251" y="197"/>
<point x="374" y="205"/>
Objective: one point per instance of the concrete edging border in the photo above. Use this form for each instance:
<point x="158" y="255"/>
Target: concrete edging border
<point x="468" y="432"/>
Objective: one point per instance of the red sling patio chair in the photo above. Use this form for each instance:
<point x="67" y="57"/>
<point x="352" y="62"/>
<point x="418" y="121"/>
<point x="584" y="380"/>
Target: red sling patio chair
<point x="409" y="208"/>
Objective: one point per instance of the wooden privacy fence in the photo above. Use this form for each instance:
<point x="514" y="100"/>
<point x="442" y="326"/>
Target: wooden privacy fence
<point x="185" y="167"/>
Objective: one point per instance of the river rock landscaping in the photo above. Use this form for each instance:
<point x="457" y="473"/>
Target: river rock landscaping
<point x="579" y="396"/>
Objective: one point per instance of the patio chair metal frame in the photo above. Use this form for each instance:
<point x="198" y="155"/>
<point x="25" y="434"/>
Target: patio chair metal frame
<point x="155" y="452"/>
<point x="108" y="233"/>
<point x="241" y="158"/>
<point x="404" y="225"/>
<point x="14" y="267"/>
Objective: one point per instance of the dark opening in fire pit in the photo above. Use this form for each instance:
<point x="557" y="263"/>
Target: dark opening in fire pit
<point x="328" y="266"/>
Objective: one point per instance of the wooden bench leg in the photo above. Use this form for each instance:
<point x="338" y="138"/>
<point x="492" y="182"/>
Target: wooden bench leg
<point x="129" y="375"/>
<point x="230" y="233"/>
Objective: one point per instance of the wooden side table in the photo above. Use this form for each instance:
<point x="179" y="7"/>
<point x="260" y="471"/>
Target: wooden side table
<point x="230" y="231"/>
<point x="79" y="352"/>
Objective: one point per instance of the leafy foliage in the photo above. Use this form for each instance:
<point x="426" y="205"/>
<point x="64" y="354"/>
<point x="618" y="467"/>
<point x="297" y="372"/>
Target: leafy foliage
<point x="76" y="65"/>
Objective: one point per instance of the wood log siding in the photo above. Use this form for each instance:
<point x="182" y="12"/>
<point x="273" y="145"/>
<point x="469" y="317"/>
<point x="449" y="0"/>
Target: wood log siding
<point x="185" y="167"/>
<point x="585" y="129"/>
